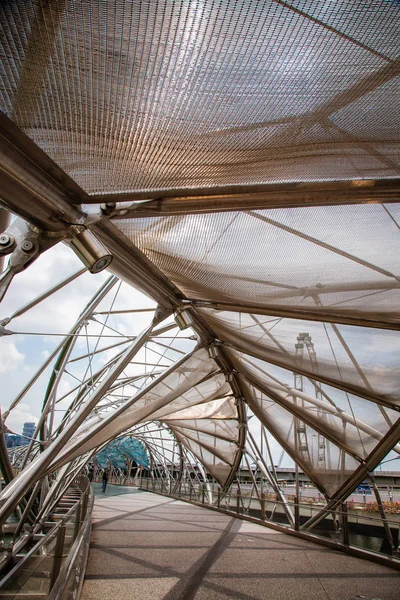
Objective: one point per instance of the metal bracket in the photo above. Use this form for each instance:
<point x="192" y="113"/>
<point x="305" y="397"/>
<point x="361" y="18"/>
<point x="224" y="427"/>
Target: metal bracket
<point x="26" y="243"/>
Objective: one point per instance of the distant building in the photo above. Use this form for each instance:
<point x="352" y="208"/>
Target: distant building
<point x="13" y="440"/>
<point x="28" y="431"/>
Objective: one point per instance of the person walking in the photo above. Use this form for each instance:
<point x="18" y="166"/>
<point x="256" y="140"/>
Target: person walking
<point x="104" y="480"/>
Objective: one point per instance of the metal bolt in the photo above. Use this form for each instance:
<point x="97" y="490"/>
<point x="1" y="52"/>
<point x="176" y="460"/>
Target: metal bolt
<point x="108" y="208"/>
<point x="6" y="240"/>
<point x="27" y="246"/>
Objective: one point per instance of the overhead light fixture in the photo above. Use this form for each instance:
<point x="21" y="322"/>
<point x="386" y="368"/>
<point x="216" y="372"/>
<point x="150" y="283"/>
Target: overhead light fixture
<point x="214" y="351"/>
<point x="90" y="250"/>
<point x="182" y="319"/>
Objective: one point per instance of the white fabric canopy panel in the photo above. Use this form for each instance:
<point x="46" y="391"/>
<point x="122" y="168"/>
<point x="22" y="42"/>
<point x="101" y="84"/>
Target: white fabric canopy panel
<point x="301" y="443"/>
<point x="364" y="359"/>
<point x="302" y="259"/>
<point x="195" y="393"/>
<point x="341" y="420"/>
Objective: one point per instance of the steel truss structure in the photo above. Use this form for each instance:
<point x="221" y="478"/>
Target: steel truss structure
<point x="238" y="164"/>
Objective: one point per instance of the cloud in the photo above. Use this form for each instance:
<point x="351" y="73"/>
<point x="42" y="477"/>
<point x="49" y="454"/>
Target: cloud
<point x="10" y="358"/>
<point x="20" y="415"/>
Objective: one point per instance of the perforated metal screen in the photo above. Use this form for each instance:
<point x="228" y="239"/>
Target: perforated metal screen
<point x="160" y="94"/>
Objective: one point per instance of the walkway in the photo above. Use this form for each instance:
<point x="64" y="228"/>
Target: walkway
<point x="150" y="547"/>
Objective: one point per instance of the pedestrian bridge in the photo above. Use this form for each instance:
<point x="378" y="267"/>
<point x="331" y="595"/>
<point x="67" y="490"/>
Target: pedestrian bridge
<point x="148" y="546"/>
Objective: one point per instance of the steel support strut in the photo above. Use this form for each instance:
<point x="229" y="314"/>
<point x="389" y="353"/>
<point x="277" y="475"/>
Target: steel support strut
<point x="13" y="493"/>
<point x="364" y="470"/>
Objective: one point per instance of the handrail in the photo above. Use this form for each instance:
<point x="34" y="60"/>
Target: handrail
<point x="69" y="563"/>
<point x="58" y="584"/>
<point x="36" y="547"/>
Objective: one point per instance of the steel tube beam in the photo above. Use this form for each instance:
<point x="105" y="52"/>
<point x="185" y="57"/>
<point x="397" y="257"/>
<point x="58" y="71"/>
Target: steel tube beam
<point x="132" y="266"/>
<point x="382" y="513"/>
<point x="13" y="493"/>
<point x="32" y="184"/>
<point x="378" y="321"/>
<point x="79" y="447"/>
<point x="258" y="196"/>
<point x="264" y="469"/>
<point x="31" y="193"/>
<point x="100" y="294"/>
<point x="5" y="219"/>
<point x="367" y="467"/>
<point x="5" y="464"/>
<point x="43" y="296"/>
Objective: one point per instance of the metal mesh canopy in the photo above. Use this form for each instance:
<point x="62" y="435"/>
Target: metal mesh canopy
<point x="159" y="94"/>
<point x="247" y="152"/>
<point x="238" y="257"/>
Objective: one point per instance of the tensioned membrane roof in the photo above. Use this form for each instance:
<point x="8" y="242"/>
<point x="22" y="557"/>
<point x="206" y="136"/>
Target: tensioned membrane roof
<point x="142" y="100"/>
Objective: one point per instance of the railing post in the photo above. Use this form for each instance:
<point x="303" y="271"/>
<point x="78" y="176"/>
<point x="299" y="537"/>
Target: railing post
<point x="237" y="503"/>
<point x="296" y="514"/>
<point x="84" y="506"/>
<point x="218" y="498"/>
<point x="58" y="554"/>
<point x="77" y="520"/>
<point x="203" y="494"/>
<point x="262" y="503"/>
<point x="345" y="524"/>
<point x="190" y="492"/>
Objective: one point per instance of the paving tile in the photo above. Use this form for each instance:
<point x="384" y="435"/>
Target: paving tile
<point x="131" y="525"/>
<point x="177" y="560"/>
<point x="261" y="562"/>
<point x="127" y="589"/>
<point x="119" y="563"/>
<point x="187" y="538"/>
<point x="247" y="527"/>
<point x="261" y="588"/>
<point x="112" y="539"/>
<point x="364" y="586"/>
<point x="339" y="562"/>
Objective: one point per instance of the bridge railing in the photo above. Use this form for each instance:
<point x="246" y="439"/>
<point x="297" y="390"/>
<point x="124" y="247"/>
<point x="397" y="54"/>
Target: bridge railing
<point x="55" y="564"/>
<point x="348" y="528"/>
<point x="69" y="582"/>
